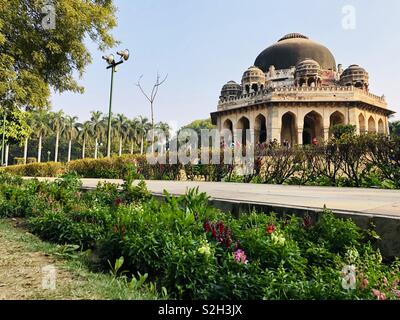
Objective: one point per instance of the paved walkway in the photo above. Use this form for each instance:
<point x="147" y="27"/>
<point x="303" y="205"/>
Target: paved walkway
<point x="366" y="201"/>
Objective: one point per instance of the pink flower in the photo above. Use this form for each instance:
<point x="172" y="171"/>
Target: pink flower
<point x="364" y="284"/>
<point x="378" y="294"/>
<point x="240" y="256"/>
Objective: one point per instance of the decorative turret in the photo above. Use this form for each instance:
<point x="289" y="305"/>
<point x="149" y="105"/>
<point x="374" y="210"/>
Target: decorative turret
<point x="308" y="73"/>
<point x="231" y="90"/>
<point x="355" y="76"/>
<point x="253" y="80"/>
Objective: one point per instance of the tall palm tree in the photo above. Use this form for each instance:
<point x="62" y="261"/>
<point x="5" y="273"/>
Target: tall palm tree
<point x="58" y="124"/>
<point x="120" y="130"/>
<point x="132" y="133"/>
<point x="40" y="121"/>
<point x="71" y="132"/>
<point x="143" y="127"/>
<point x="98" y="129"/>
<point x="85" y="131"/>
<point x="165" y="127"/>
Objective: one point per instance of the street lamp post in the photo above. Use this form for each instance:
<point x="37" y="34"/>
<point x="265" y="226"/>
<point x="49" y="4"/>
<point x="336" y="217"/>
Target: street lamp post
<point x="3" y="137"/>
<point x="112" y="64"/>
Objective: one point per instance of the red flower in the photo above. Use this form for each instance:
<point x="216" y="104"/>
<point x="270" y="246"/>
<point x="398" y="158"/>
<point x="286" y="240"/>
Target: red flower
<point x="118" y="201"/>
<point x="207" y="226"/>
<point x="221" y="227"/>
<point x="214" y="233"/>
<point x="271" y="229"/>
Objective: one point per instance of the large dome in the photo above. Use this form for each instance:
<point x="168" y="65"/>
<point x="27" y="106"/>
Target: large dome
<point x="291" y="50"/>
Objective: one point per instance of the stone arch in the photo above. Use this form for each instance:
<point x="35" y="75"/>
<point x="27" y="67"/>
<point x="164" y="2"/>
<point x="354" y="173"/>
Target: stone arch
<point x="227" y="126"/>
<point x="371" y="125"/>
<point x="313" y="128"/>
<point x="335" y="119"/>
<point x="244" y="125"/>
<point x="247" y="88"/>
<point x="381" y="127"/>
<point x="311" y="82"/>
<point x="260" y="129"/>
<point x="254" y="87"/>
<point x="289" y="128"/>
<point x="361" y="124"/>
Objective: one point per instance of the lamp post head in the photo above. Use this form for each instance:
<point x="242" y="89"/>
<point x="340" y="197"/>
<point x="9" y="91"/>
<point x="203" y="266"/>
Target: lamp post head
<point x="124" y="54"/>
<point x="109" y="59"/>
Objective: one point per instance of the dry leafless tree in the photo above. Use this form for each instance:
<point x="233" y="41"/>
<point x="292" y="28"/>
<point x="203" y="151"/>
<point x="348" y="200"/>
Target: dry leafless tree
<point x="152" y="96"/>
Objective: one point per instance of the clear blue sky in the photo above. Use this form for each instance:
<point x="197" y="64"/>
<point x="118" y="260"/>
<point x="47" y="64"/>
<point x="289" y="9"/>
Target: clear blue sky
<point x="203" y="44"/>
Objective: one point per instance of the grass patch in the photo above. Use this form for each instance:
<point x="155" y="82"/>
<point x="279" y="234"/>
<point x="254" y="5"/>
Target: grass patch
<point x="28" y="254"/>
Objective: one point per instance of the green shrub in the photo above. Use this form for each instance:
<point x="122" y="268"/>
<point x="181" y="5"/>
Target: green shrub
<point x="83" y="228"/>
<point x="47" y="169"/>
<point x="198" y="252"/>
<point x="19" y="161"/>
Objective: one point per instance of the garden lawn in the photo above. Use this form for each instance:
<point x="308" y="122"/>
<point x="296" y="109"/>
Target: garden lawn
<point x="22" y="257"/>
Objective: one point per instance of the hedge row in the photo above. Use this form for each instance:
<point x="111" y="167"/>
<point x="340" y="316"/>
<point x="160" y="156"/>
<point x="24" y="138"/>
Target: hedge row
<point x="351" y="161"/>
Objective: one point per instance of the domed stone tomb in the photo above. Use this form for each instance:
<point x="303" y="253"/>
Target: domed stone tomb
<point x="295" y="94"/>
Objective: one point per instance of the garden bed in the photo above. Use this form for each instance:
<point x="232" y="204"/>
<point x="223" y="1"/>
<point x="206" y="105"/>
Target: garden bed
<point x="190" y="250"/>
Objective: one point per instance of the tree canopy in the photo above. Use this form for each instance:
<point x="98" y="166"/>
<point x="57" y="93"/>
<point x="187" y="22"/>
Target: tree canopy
<point x="34" y="59"/>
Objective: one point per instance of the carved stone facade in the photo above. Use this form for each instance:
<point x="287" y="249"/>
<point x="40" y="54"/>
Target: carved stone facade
<point x="299" y="104"/>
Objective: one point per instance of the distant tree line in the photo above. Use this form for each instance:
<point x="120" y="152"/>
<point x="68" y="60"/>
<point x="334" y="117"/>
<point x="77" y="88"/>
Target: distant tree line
<point x="56" y="137"/>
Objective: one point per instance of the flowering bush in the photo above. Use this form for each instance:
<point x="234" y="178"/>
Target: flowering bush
<point x="197" y="252"/>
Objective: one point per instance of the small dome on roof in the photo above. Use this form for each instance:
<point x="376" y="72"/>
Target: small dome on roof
<point x="231" y="89"/>
<point x="355" y="76"/>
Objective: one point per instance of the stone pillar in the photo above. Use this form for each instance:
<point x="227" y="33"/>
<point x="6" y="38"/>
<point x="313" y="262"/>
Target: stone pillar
<point x="387" y="128"/>
<point x="300" y="135"/>
<point x="327" y="125"/>
<point x="326" y="134"/>
<point x="276" y="124"/>
<point x="273" y="125"/>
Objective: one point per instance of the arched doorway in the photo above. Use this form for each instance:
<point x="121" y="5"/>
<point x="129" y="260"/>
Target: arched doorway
<point x="336" y="118"/>
<point x="260" y="129"/>
<point x="227" y="134"/>
<point x="244" y="125"/>
<point x="361" y="123"/>
<point x="313" y="128"/>
<point x="371" y="125"/>
<point x="289" y="129"/>
<point x="381" y="127"/>
<point x="228" y="125"/>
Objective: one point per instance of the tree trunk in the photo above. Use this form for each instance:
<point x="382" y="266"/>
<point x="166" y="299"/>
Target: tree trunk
<point x="152" y="128"/>
<point x="26" y="150"/>
<point x="69" y="150"/>
<point x="56" y="149"/>
<point x="6" y="157"/>
<point x="120" y="147"/>
<point x="132" y="146"/>
<point x="84" y="147"/>
<point x="96" y="148"/>
<point x="40" y="150"/>
<point x="142" y="145"/>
